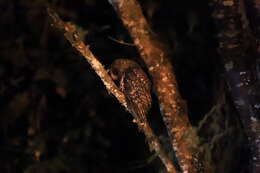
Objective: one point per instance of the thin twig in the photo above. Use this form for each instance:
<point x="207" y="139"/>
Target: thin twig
<point x="121" y="42"/>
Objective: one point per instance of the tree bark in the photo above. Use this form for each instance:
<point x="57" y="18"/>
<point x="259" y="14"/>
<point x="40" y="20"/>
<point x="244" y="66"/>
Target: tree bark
<point x="237" y="48"/>
<point x="173" y="108"/>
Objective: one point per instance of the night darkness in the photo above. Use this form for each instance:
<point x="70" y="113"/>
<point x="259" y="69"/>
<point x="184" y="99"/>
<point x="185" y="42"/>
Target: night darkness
<point x="56" y="116"/>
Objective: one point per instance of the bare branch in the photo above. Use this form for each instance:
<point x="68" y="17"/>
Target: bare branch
<point x="154" y="144"/>
<point x="71" y="35"/>
<point x="154" y="53"/>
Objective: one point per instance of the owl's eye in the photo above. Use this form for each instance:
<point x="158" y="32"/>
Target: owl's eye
<point x="115" y="72"/>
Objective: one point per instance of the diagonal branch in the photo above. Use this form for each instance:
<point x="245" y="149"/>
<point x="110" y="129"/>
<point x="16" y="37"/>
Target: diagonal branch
<point x="72" y="36"/>
<point x="173" y="108"/>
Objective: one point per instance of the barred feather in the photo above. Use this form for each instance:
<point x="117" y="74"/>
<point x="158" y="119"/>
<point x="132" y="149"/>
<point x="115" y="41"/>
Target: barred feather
<point x="136" y="86"/>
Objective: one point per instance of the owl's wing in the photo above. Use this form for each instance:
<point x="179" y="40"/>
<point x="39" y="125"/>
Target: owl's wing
<point x="136" y="87"/>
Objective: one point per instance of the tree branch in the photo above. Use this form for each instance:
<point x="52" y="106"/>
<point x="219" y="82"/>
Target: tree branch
<point x="72" y="36"/>
<point x="173" y="108"/>
<point x="235" y="46"/>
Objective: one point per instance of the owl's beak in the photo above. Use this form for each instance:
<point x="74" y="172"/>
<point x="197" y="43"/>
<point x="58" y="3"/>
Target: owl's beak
<point x="113" y="76"/>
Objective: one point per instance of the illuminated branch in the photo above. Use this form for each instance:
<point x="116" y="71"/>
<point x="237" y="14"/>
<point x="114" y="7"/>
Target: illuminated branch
<point x="173" y="107"/>
<point x="72" y="36"/>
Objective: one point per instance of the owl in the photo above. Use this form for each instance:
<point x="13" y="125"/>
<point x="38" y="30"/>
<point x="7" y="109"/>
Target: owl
<point x="135" y="85"/>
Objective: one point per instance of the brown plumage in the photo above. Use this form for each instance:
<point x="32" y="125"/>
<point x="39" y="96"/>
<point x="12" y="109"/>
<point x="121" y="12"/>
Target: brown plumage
<point x="136" y="86"/>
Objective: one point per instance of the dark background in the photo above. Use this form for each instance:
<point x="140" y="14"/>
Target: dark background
<point x="55" y="113"/>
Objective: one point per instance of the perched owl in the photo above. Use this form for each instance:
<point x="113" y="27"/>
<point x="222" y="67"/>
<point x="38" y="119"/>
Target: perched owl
<point x="135" y="85"/>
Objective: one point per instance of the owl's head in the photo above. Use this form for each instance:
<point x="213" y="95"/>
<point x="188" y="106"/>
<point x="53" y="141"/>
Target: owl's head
<point x="120" y="66"/>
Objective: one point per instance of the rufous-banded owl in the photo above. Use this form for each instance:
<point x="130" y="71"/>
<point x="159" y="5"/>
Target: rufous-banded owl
<point x="135" y="85"/>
